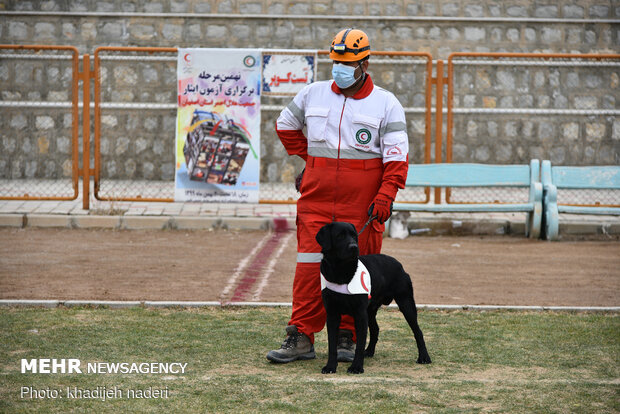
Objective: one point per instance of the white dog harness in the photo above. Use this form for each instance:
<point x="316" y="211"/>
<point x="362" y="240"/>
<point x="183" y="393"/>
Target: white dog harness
<point x="360" y="284"/>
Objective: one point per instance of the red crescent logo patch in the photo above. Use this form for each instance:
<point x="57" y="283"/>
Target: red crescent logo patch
<point x="364" y="284"/>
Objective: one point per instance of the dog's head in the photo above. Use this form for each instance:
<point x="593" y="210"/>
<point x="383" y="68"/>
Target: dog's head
<point x="338" y="240"/>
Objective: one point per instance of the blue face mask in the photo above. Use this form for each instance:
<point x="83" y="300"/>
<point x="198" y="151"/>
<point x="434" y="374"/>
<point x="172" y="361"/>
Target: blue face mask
<point x="344" y="75"/>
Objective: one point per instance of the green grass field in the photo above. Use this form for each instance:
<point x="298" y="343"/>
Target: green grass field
<point x="482" y="362"/>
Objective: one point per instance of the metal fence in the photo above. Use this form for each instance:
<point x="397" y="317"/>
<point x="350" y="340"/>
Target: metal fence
<point x="135" y="116"/>
<point x="505" y="107"/>
<point x="561" y="107"/>
<point x="39" y="122"/>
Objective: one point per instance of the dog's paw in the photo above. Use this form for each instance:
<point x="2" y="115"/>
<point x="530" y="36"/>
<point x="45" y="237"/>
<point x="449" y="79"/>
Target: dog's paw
<point x="355" y="370"/>
<point x="424" y="359"/>
<point x="328" y="370"/>
<point x="369" y="353"/>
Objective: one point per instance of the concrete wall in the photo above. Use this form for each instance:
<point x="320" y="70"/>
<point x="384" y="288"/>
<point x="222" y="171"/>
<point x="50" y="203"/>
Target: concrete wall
<point x="138" y="145"/>
<point x="516" y="26"/>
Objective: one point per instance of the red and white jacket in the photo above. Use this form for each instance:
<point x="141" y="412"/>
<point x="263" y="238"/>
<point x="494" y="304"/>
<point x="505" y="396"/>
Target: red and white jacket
<point x="371" y="124"/>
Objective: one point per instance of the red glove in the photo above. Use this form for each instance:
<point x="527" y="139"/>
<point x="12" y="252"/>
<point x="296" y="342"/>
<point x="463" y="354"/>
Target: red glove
<point x="381" y="207"/>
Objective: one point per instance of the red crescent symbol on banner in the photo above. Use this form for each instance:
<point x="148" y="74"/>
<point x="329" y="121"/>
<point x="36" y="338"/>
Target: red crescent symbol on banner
<point x="187" y="58"/>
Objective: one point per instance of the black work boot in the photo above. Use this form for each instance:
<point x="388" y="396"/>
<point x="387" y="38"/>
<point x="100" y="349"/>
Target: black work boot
<point x="346" y="346"/>
<point x="296" y="346"/>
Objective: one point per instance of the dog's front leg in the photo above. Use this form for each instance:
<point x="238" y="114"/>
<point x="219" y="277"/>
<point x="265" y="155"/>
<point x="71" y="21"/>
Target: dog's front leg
<point x="333" y="327"/>
<point x="361" y="328"/>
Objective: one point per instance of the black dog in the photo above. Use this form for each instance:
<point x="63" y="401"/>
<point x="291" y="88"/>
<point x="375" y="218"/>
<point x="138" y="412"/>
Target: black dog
<point x="388" y="281"/>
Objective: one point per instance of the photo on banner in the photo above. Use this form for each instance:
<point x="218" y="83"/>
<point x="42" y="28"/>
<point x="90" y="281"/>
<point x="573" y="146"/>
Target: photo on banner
<point x="285" y="72"/>
<point x="218" y="125"/>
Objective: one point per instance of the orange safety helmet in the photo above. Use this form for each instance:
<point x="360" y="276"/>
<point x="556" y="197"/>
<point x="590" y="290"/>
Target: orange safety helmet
<point x="349" y="45"/>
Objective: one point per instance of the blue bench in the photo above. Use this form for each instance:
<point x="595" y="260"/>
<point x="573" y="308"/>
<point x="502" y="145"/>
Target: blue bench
<point x="561" y="177"/>
<point x="480" y="175"/>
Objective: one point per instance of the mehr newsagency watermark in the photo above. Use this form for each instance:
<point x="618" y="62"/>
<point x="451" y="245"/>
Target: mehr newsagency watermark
<point x="102" y="393"/>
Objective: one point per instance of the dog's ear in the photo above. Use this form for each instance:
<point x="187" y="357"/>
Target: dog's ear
<point x="324" y="237"/>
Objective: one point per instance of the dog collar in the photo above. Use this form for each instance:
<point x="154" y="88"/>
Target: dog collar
<point x="359" y="285"/>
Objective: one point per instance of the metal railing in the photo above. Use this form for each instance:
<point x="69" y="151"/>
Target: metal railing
<point x="118" y="103"/>
<point x="134" y="104"/>
<point x="120" y="82"/>
<point x="523" y="103"/>
<point x="39" y="87"/>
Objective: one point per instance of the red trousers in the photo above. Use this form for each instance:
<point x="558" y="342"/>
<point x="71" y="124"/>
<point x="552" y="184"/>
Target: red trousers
<point x="332" y="190"/>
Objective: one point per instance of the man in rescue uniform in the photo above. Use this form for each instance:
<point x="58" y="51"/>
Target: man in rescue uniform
<point x="356" y="154"/>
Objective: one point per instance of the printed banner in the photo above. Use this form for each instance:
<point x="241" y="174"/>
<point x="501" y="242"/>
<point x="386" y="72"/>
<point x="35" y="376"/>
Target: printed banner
<point x="218" y="125"/>
<point x="286" y="73"/>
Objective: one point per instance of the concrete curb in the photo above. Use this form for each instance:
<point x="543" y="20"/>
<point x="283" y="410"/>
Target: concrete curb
<point x="173" y="304"/>
<point x="521" y="308"/>
<point x="12" y="220"/>
<point x="194" y="223"/>
<point x="48" y="220"/>
<point x="140" y="222"/>
<point x="587" y="227"/>
<point x="107" y="303"/>
<point x="96" y="222"/>
<point x="30" y="303"/>
<point x="144" y="222"/>
<point x="189" y="304"/>
<point x="446" y="226"/>
<point x="432" y="225"/>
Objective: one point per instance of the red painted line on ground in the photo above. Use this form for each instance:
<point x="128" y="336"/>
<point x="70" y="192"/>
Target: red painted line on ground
<point x="255" y="268"/>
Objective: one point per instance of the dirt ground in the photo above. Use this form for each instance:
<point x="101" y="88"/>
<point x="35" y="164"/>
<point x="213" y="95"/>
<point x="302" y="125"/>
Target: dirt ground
<point x="67" y="264"/>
